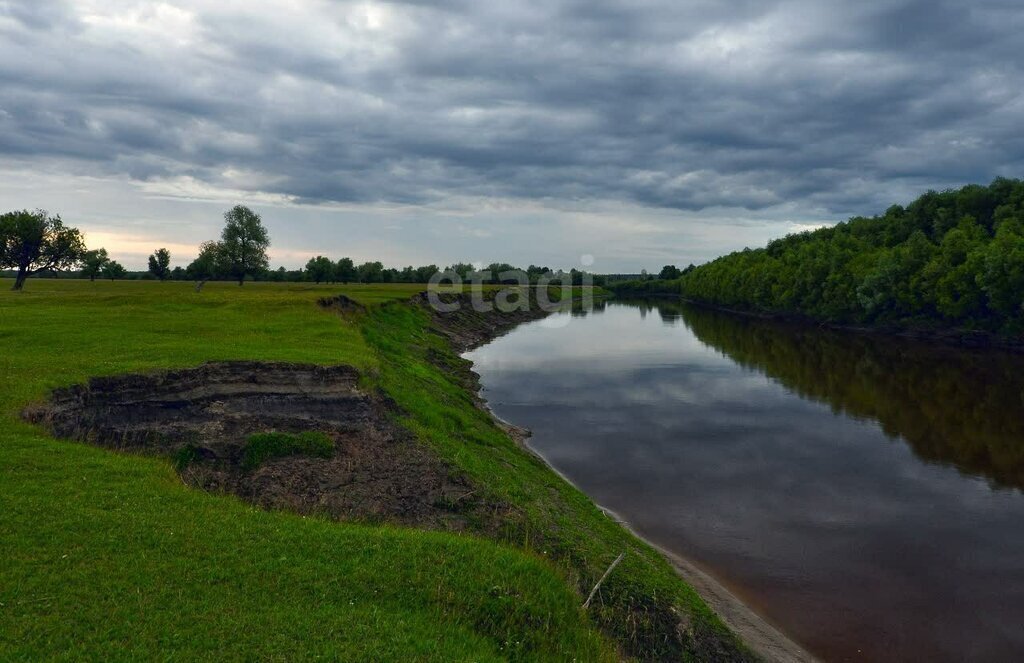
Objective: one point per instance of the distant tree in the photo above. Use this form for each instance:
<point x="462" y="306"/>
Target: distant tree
<point x="210" y="264"/>
<point x="644" y="276"/>
<point x="320" y="269"/>
<point x="534" y="272"/>
<point x="345" y="271"/>
<point x="371" y="272"/>
<point x="424" y="274"/>
<point x="178" y="273"/>
<point x="244" y="243"/>
<point x="160" y="264"/>
<point x="93" y="263"/>
<point x="669" y="272"/>
<point x="31" y="242"/>
<point x="113" y="270"/>
<point x="463" y="269"/>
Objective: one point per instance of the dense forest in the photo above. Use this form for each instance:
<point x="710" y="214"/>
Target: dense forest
<point x="951" y="258"/>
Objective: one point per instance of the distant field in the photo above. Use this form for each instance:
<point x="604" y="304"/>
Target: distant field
<point x="109" y="556"/>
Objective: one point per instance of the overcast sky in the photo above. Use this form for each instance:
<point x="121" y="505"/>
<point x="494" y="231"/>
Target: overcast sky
<point x="641" y="132"/>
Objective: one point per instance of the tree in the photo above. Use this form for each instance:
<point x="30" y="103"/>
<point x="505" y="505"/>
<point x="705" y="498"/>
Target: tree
<point x="113" y="270"/>
<point x="463" y="269"/>
<point x="31" y="242"/>
<point x="210" y="264"/>
<point x="93" y="263"/>
<point x="319" y="269"/>
<point x="669" y="272"/>
<point x="244" y="243"/>
<point x="425" y="273"/>
<point x="371" y="272"/>
<point x="1002" y="276"/>
<point x="345" y="271"/>
<point x="160" y="264"/>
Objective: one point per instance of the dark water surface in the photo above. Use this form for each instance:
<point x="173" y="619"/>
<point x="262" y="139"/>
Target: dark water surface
<point x="861" y="492"/>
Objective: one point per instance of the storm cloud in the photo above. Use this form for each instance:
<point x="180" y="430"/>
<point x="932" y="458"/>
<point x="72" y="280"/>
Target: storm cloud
<point x="803" y="111"/>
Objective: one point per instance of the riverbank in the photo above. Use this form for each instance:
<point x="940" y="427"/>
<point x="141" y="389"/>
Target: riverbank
<point x="763" y="638"/>
<point x="110" y="552"/>
<point x="110" y="555"/>
<point x="644" y="605"/>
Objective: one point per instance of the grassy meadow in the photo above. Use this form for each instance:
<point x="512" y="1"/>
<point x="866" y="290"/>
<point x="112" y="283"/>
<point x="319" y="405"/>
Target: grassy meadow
<point x="109" y="556"/>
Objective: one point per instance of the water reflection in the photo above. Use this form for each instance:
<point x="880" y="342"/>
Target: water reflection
<point x="961" y="407"/>
<point x="830" y="478"/>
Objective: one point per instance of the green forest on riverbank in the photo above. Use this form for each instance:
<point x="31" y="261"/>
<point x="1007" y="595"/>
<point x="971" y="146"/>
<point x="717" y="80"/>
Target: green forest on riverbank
<point x="949" y="259"/>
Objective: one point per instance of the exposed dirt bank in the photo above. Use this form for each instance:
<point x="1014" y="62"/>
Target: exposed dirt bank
<point x="204" y="416"/>
<point x="467" y="328"/>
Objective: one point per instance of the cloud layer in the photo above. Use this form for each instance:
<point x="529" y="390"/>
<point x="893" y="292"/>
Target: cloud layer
<point x="804" y="110"/>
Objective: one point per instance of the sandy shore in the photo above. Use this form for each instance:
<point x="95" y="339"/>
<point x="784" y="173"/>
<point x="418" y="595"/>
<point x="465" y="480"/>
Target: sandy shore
<point x="765" y="639"/>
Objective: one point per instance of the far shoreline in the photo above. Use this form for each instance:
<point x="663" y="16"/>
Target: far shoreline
<point x="953" y="337"/>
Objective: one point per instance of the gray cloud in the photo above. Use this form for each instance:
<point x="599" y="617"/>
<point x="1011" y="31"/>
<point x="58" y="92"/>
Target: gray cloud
<point x="828" y="108"/>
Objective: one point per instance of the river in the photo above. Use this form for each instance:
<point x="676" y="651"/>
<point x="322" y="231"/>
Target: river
<point x="862" y="493"/>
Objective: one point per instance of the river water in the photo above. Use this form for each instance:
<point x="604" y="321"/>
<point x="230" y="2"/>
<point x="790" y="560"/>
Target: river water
<point x="863" y="493"/>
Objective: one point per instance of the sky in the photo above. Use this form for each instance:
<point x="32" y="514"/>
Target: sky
<point x="640" y="132"/>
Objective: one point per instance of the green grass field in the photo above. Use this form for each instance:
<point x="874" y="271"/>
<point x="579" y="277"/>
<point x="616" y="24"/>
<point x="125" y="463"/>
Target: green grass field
<point x="109" y="556"/>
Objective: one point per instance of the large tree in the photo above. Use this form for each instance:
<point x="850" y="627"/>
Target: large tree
<point x="346" y="271"/>
<point x="244" y="243"/>
<point x="320" y="269"/>
<point x="31" y="242"/>
<point x="160" y="264"/>
<point x="93" y="263"/>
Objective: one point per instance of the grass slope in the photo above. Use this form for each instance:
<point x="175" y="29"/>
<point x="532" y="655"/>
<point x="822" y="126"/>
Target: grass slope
<point x="108" y="556"/>
<point x="643" y="600"/>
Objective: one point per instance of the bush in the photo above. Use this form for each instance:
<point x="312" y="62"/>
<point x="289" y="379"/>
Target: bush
<point x="261" y="447"/>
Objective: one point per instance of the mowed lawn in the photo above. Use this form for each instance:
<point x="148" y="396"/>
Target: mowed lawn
<point x="108" y="556"/>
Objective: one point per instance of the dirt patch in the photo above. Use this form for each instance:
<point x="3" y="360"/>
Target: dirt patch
<point x="204" y="417"/>
<point x="341" y="304"/>
<point x="466" y="328"/>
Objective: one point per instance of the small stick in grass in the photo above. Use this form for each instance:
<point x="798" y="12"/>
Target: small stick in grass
<point x="590" y="598"/>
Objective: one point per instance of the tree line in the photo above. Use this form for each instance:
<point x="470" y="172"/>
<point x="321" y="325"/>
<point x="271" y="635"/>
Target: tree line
<point x="36" y="243"/>
<point x="950" y="258"/>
